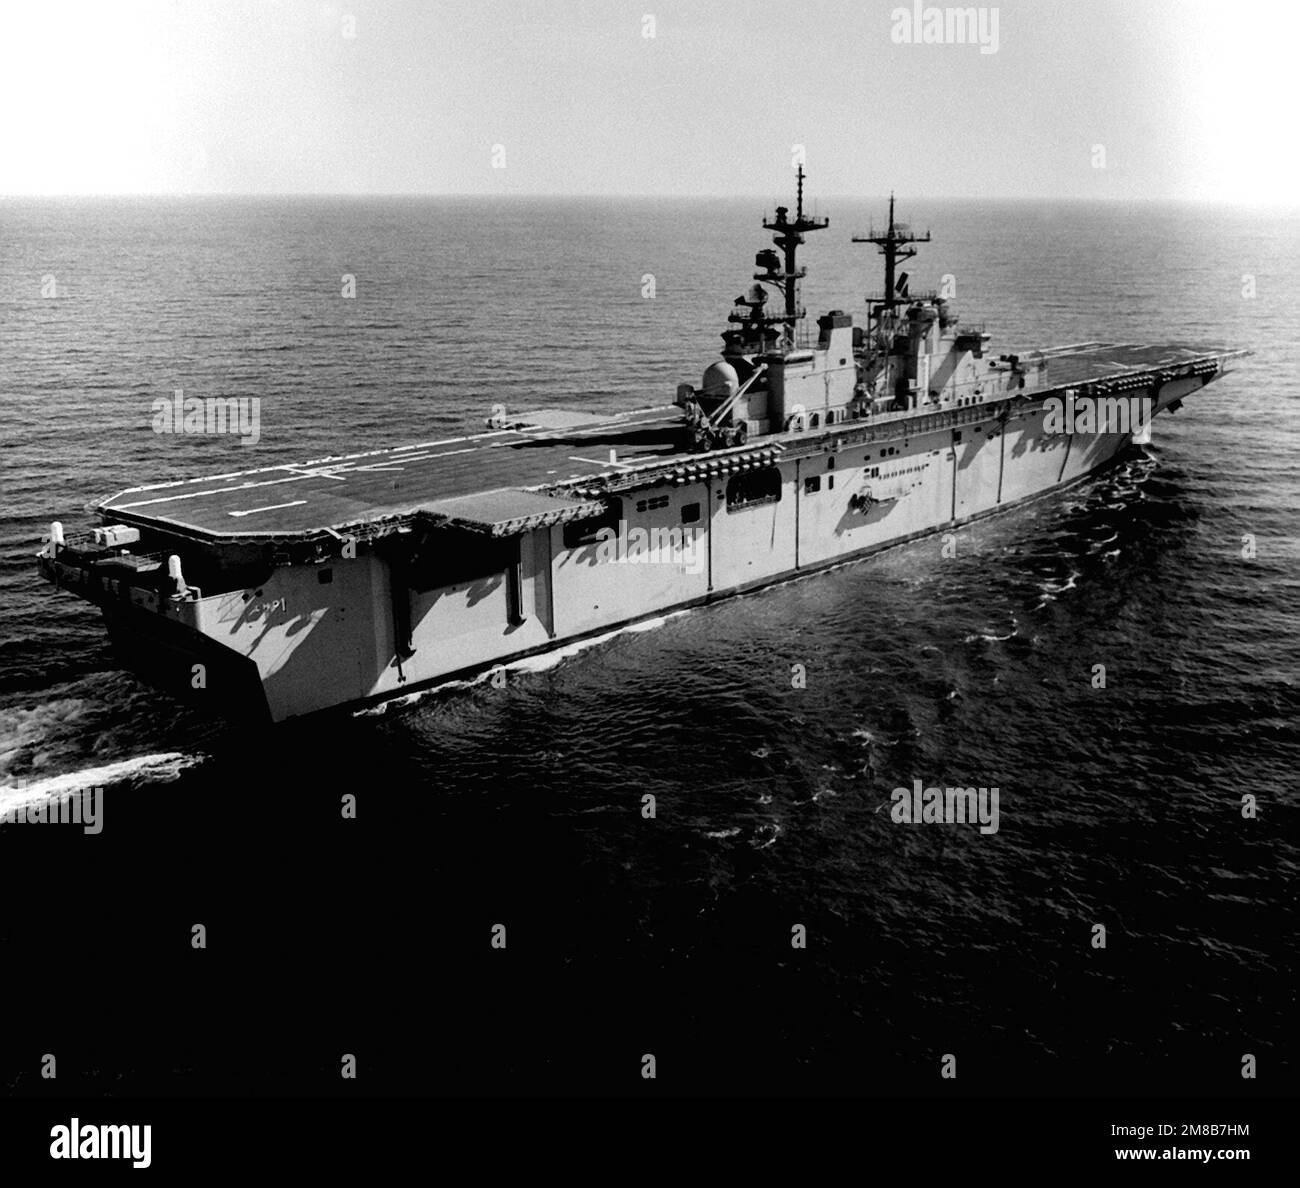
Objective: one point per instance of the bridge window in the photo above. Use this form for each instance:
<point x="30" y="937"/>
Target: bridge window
<point x="690" y="513"/>
<point x="814" y="421"/>
<point x="812" y="485"/>
<point x="753" y="487"/>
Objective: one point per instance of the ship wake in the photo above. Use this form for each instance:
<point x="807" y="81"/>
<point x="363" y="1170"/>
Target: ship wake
<point x="58" y="749"/>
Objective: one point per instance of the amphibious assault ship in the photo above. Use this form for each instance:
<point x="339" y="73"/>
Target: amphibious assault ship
<point x="291" y="589"/>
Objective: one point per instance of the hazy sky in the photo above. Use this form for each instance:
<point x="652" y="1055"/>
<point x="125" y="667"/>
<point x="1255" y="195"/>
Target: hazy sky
<point x="1187" y="99"/>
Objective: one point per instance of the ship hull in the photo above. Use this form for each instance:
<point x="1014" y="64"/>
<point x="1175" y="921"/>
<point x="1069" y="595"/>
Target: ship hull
<point x="478" y="670"/>
<point x="189" y="666"/>
<point x="363" y="630"/>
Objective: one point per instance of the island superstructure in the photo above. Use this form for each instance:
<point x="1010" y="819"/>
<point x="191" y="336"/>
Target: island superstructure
<point x="287" y="590"/>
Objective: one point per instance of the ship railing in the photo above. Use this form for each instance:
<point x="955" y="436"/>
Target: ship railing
<point x="901" y="299"/>
<point x="79" y="540"/>
<point x="82" y="547"/>
<point x="991" y="387"/>
<point x="74" y="545"/>
<point x="802" y="339"/>
<point x="125" y="556"/>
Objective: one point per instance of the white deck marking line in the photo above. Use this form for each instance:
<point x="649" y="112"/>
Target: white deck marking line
<point x="214" y="491"/>
<point x="313" y="462"/>
<point x="592" y="430"/>
<point x="252" y="511"/>
<point x="599" y="461"/>
<point x="295" y="475"/>
<point x="327" y="472"/>
<point x="421" y="445"/>
<point x="339" y="466"/>
<point x="391" y="464"/>
<point x="212" y="478"/>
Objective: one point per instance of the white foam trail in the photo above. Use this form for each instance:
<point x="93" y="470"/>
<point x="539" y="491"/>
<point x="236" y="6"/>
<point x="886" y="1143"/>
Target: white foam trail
<point x="991" y="637"/>
<point x="548" y="660"/>
<point x="164" y="766"/>
<point x="542" y="662"/>
<point x="1050" y="590"/>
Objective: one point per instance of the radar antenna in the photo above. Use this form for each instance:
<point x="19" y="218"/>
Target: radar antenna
<point x="785" y="274"/>
<point x="895" y="244"/>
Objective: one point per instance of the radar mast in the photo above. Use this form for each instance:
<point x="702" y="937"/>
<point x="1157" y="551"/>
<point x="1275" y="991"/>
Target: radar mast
<point x="783" y="273"/>
<point x="895" y="244"/>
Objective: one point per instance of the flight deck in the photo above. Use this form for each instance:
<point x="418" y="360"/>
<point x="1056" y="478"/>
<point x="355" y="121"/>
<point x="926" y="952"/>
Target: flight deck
<point x="335" y="493"/>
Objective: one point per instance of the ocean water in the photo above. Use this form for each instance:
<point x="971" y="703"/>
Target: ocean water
<point x="521" y="806"/>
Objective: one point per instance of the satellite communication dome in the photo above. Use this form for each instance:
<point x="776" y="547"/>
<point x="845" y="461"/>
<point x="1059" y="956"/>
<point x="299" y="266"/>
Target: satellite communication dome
<point x="720" y="379"/>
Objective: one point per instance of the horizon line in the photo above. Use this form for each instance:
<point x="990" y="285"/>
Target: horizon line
<point x="731" y="197"/>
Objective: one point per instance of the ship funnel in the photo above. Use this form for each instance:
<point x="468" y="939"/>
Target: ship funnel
<point x="56" y="535"/>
